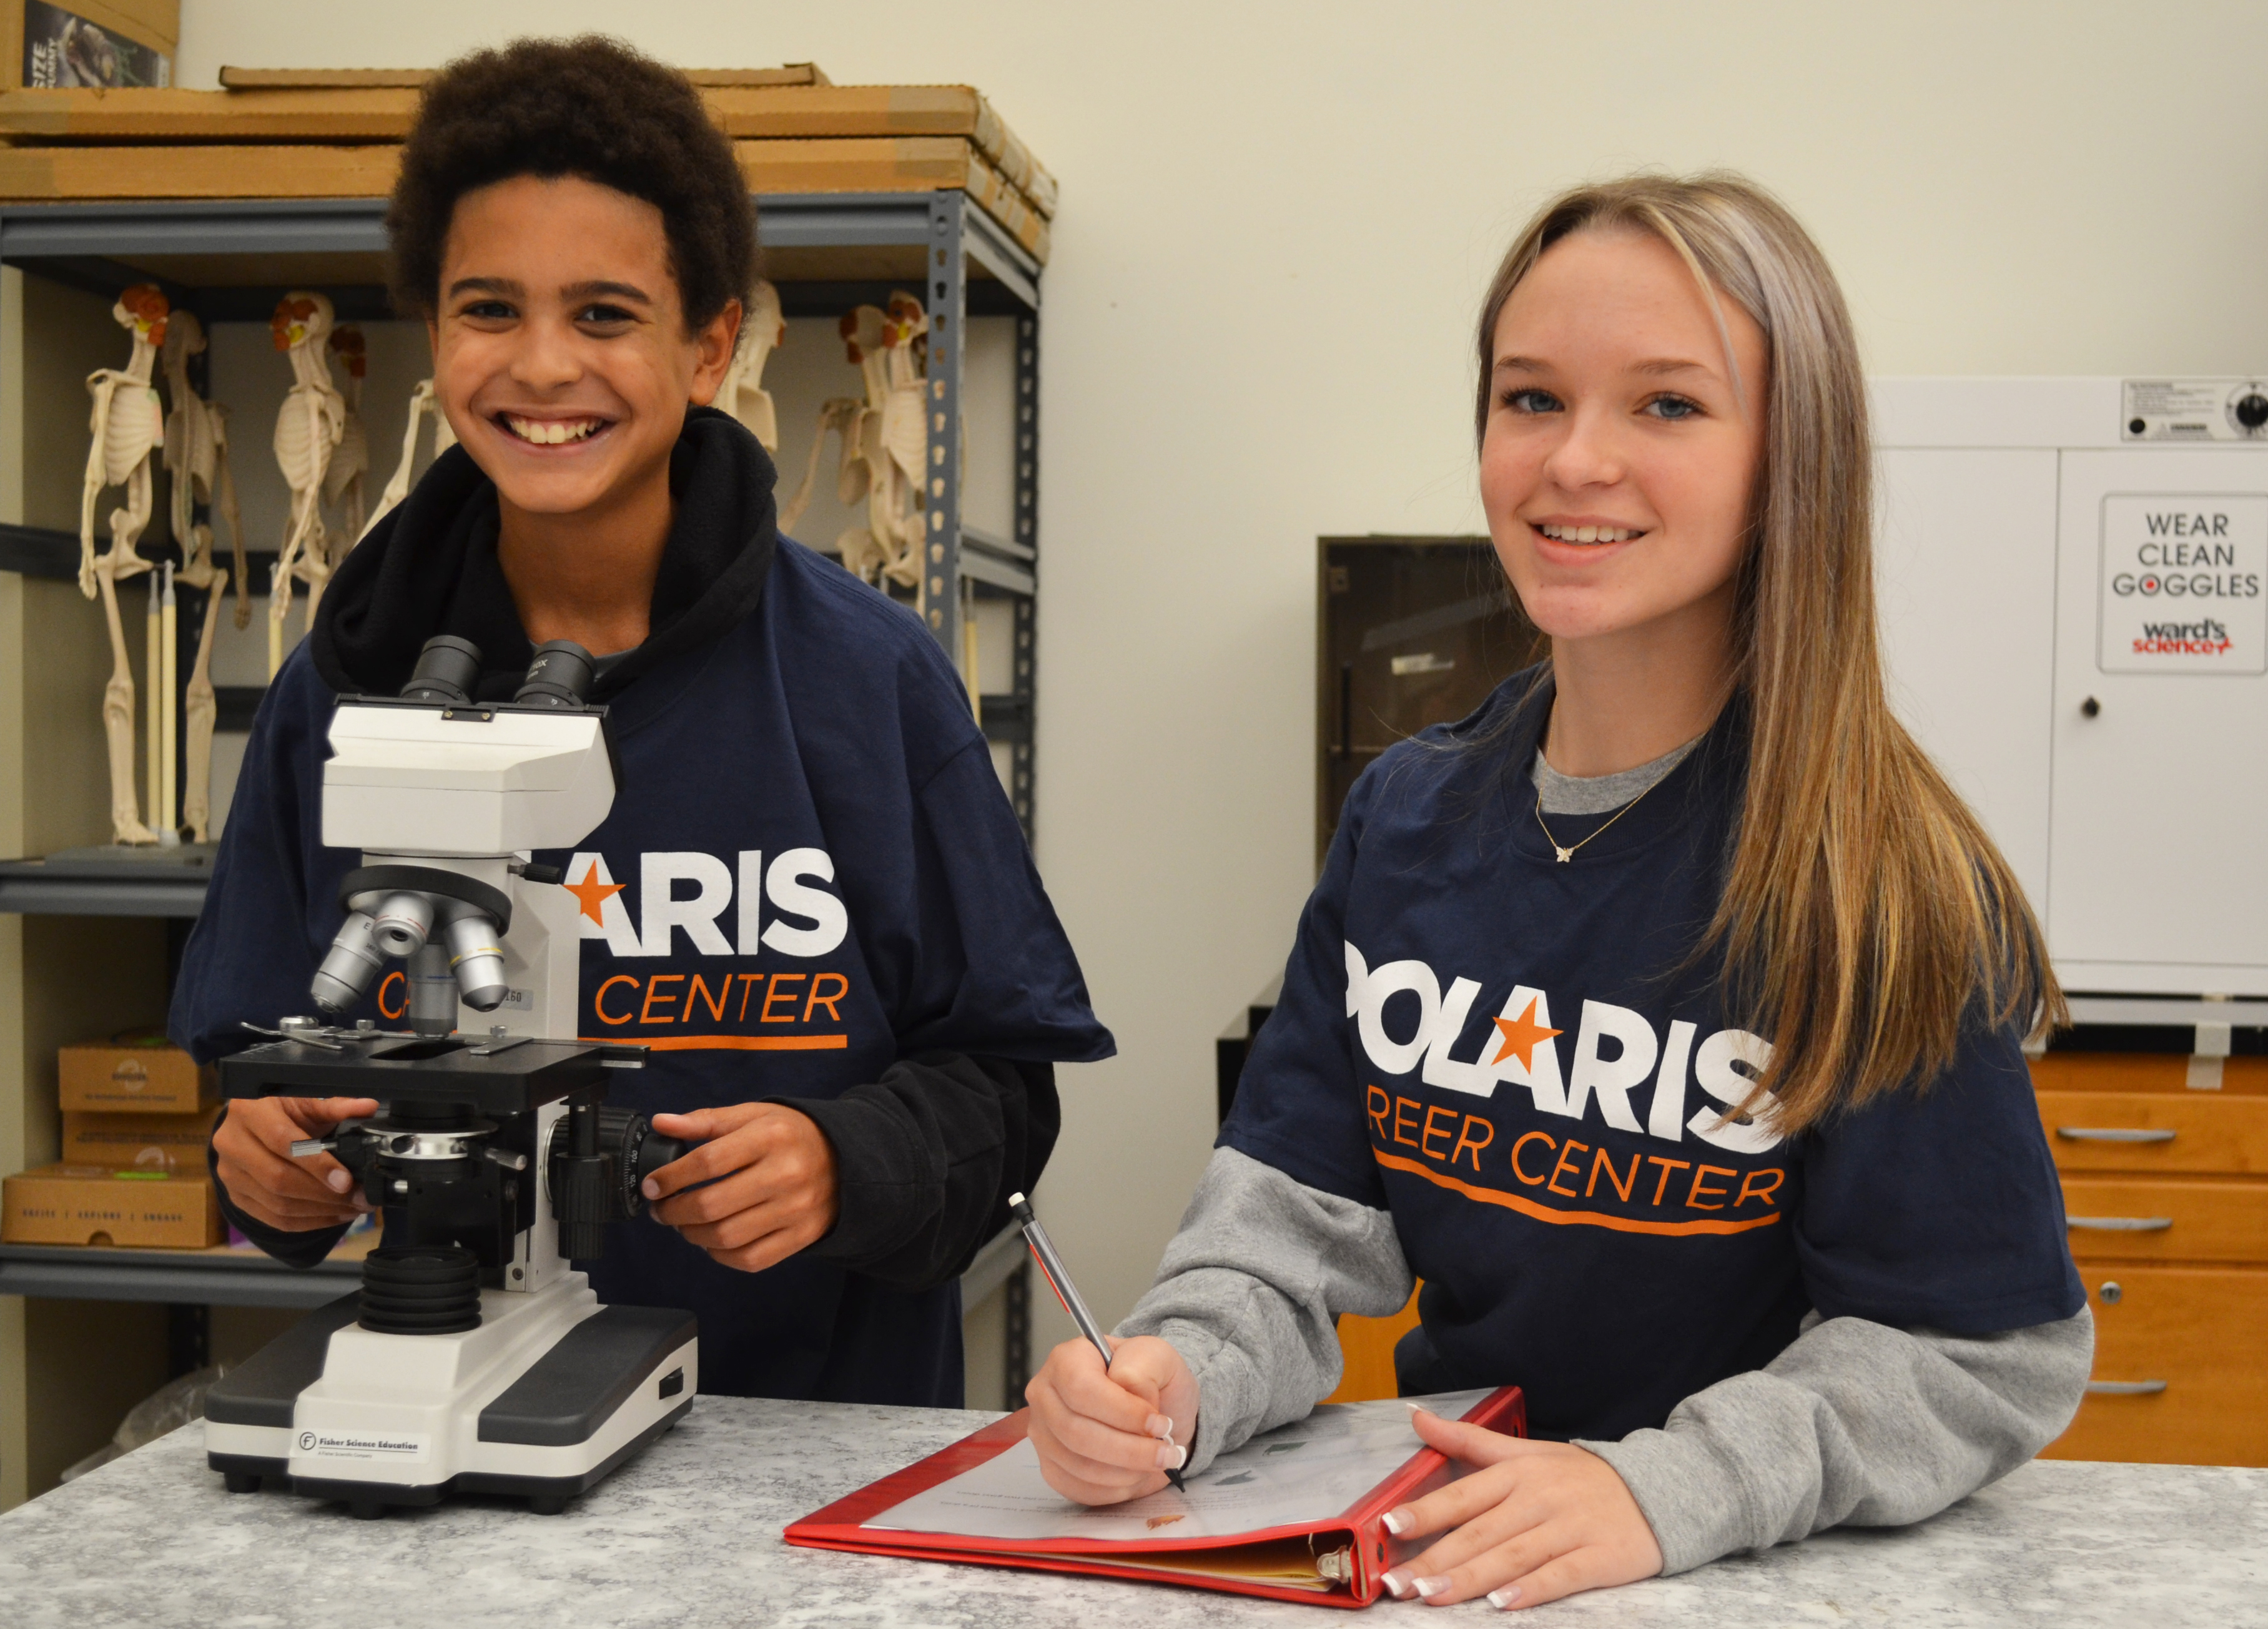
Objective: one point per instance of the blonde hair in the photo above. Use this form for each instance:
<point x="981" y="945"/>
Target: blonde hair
<point x="1865" y="915"/>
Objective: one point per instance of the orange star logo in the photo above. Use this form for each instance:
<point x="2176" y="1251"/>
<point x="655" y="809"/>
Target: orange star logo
<point x="595" y="894"/>
<point x="1522" y="1035"/>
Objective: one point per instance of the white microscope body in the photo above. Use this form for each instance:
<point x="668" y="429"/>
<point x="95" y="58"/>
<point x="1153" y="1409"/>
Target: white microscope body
<point x="475" y="1358"/>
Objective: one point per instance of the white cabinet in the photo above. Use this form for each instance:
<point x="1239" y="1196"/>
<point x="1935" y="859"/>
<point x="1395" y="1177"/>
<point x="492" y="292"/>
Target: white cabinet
<point x="2075" y="623"/>
<point x="2158" y="852"/>
<point x="1966" y="574"/>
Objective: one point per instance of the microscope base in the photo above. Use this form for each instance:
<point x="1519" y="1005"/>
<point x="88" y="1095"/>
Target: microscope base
<point x="543" y="1401"/>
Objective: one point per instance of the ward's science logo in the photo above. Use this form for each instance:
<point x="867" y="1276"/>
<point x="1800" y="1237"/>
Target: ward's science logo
<point x="2181" y="588"/>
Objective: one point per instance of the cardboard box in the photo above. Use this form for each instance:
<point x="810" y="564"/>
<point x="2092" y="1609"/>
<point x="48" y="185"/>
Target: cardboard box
<point x="139" y="1142"/>
<point x="134" y="1075"/>
<point x="89" y="1205"/>
<point x="102" y="44"/>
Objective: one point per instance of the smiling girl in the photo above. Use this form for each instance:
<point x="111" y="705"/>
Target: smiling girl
<point x="1664" y="1017"/>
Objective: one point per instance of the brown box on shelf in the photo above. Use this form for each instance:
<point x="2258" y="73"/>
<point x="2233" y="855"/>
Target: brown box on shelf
<point x="133" y="1075"/>
<point x="92" y="1205"/>
<point x="138" y="1142"/>
<point x="336" y="135"/>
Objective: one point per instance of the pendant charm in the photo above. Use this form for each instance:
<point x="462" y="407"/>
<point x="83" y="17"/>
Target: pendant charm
<point x="1565" y="854"/>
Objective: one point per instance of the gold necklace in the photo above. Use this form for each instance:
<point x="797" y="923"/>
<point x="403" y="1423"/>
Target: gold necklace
<point x="1566" y="852"/>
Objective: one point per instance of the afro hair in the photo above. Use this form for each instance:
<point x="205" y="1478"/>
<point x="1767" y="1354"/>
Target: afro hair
<point x="592" y="108"/>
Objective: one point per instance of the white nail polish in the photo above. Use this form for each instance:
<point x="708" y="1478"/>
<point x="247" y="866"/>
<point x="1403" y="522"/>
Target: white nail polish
<point x="1428" y="1588"/>
<point x="1396" y="1523"/>
<point x="1504" y="1598"/>
<point x="1396" y="1585"/>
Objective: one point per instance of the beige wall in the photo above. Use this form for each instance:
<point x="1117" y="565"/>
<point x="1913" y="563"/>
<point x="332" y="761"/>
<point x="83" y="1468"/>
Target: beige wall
<point x="1276" y="223"/>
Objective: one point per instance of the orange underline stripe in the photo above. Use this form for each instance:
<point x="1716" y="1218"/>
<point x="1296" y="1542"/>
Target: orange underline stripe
<point x="1565" y="1218"/>
<point x="726" y="1043"/>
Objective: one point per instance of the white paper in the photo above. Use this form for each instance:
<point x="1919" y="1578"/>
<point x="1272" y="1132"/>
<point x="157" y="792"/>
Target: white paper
<point x="1310" y="1470"/>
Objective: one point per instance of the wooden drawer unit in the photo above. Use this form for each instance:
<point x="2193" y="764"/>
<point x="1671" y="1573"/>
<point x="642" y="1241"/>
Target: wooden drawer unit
<point x="2165" y="1187"/>
<point x="2178" y="1372"/>
<point x="2166" y="1219"/>
<point x="2204" y="1133"/>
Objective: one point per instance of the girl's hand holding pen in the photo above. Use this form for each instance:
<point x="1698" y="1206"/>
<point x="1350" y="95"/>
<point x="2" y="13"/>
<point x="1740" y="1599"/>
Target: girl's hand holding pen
<point x="1101" y="1435"/>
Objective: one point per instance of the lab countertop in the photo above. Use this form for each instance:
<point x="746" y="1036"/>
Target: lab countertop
<point x="690" y="1535"/>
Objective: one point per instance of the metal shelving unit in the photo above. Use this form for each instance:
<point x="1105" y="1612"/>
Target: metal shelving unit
<point x="202" y="1277"/>
<point x="231" y="261"/>
<point x="825" y="252"/>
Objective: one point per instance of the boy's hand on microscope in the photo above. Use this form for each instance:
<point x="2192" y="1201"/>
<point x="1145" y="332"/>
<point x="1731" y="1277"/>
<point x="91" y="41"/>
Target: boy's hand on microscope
<point x="761" y="1181"/>
<point x="1101" y="1434"/>
<point x="252" y="1153"/>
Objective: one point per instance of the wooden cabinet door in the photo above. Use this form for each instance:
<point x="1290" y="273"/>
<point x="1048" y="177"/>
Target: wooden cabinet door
<point x="1367" y="1347"/>
<point x="2178" y="1377"/>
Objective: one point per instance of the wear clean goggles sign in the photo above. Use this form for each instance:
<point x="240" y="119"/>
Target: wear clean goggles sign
<point x="2182" y="584"/>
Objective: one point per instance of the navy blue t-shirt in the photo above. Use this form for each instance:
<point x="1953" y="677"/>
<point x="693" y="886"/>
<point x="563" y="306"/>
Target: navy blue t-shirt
<point x="810" y="870"/>
<point x="1521" y="1060"/>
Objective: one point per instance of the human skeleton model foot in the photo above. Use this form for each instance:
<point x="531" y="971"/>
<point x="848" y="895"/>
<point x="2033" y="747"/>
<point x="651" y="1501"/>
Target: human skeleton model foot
<point x="742" y="394"/>
<point x="307" y="435"/>
<point x="343" y="481"/>
<point x="130" y="428"/>
<point x="196" y="459"/>
<point x="423" y="403"/>
<point x="883" y="444"/>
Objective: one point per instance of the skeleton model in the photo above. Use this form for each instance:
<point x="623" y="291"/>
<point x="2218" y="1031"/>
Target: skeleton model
<point x="308" y="432"/>
<point x="882" y="440"/>
<point x="196" y="458"/>
<point x="742" y="394"/>
<point x="422" y="403"/>
<point x="130" y="428"/>
<point x="343" y="481"/>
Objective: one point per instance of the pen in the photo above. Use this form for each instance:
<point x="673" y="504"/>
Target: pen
<point x="1058" y="1278"/>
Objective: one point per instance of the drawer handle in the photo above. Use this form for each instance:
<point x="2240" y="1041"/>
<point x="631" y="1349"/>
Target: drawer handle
<point x="2113" y="1134"/>
<point x="2121" y="1224"/>
<point x="2125" y="1387"/>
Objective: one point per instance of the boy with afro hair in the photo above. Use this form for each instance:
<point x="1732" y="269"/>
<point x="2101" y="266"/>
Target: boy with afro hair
<point x="811" y="897"/>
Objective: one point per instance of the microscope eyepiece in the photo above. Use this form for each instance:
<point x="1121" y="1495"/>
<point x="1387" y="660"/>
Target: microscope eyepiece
<point x="560" y="676"/>
<point x="447" y="671"/>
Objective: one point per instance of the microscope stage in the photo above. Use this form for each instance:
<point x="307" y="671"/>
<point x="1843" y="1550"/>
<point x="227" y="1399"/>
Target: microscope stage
<point x="493" y="1077"/>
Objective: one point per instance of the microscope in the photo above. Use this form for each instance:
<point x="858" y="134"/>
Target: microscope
<point x="475" y="1358"/>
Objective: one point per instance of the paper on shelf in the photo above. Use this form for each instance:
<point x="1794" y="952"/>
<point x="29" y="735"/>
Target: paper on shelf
<point x="1310" y="1470"/>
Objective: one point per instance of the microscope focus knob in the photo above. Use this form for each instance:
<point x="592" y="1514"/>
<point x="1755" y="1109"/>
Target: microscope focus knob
<point x="580" y="1189"/>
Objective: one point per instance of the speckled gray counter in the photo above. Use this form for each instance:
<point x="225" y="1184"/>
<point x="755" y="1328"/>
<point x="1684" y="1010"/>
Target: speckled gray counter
<point x="690" y="1535"/>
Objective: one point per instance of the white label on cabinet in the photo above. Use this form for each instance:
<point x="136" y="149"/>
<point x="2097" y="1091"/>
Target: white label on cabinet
<point x="2182" y="584"/>
<point x="2194" y="410"/>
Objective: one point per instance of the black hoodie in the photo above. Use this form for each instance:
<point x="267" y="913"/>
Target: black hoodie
<point x="810" y="889"/>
